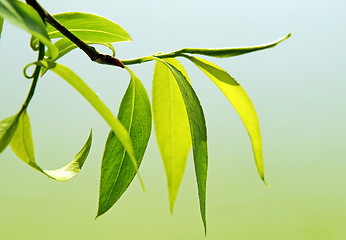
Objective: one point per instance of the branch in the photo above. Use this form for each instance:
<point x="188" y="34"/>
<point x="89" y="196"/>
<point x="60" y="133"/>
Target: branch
<point x="94" y="55"/>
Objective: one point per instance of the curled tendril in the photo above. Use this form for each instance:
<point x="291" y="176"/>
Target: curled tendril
<point x="26" y="68"/>
<point x="110" y="46"/>
<point x="34" y="43"/>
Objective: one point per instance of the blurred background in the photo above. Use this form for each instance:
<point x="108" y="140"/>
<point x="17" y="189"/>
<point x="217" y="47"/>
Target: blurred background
<point x="298" y="89"/>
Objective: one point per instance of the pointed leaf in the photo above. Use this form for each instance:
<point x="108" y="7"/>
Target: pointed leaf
<point x="198" y="134"/>
<point x="77" y="83"/>
<point x="7" y="128"/>
<point x="25" y="17"/>
<point x="1" y="24"/>
<point x="240" y="101"/>
<point x="230" y="52"/>
<point x="22" y="145"/>
<point x="171" y="125"/>
<point x="117" y="170"/>
<point x="89" y="27"/>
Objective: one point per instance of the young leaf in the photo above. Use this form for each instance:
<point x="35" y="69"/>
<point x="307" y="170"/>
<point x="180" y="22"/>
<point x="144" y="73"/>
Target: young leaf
<point x="1" y="24"/>
<point x="198" y="134"/>
<point x="77" y="83"/>
<point x="117" y="170"/>
<point x="240" y="101"/>
<point x="89" y="27"/>
<point x="171" y="125"/>
<point x="230" y="52"/>
<point x="22" y="145"/>
<point x="25" y="17"/>
<point x="7" y="128"/>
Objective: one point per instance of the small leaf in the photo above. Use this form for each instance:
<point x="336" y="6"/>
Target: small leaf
<point x="89" y="27"/>
<point x="77" y="83"/>
<point x="117" y="170"/>
<point x="231" y="52"/>
<point x="1" y="24"/>
<point x="198" y="134"/>
<point x="22" y="145"/>
<point x="240" y="101"/>
<point x="171" y="125"/>
<point x="7" y="128"/>
<point x="25" y="17"/>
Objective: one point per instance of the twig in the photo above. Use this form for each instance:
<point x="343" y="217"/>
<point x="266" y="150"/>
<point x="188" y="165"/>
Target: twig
<point x="89" y="50"/>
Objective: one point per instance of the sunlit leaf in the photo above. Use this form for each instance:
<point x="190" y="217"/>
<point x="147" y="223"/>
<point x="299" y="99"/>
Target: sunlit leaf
<point x="7" y="128"/>
<point x="22" y="145"/>
<point x="76" y="82"/>
<point x="25" y="17"/>
<point x="1" y="24"/>
<point x="240" y="101"/>
<point x="171" y="125"/>
<point x="117" y="170"/>
<point x="230" y="52"/>
<point x="89" y="27"/>
<point x="198" y="134"/>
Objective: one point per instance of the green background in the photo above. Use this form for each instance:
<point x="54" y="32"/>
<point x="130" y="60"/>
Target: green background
<point x="298" y="89"/>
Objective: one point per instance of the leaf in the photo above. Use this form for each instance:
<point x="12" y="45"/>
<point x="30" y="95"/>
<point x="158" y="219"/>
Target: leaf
<point x="117" y="170"/>
<point x="89" y="27"/>
<point x="25" y="17"/>
<point x="230" y="52"/>
<point x="198" y="134"/>
<point x="1" y="24"/>
<point x="171" y="125"/>
<point x="240" y="101"/>
<point x="7" y="128"/>
<point x="22" y="145"/>
<point x="77" y="83"/>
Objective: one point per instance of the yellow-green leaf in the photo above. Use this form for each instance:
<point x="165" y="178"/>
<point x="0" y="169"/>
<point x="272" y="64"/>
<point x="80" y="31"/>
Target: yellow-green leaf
<point x="240" y="101"/>
<point x="171" y="125"/>
<point x="22" y="145"/>
<point x="7" y="128"/>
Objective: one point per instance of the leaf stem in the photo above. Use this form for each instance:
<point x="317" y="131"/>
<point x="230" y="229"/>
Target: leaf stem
<point x="35" y="77"/>
<point x="94" y="55"/>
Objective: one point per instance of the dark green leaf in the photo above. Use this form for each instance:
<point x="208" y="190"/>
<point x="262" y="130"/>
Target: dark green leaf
<point x="230" y="52"/>
<point x="7" y="128"/>
<point x="25" y="17"/>
<point x="198" y="135"/>
<point x="240" y="101"/>
<point x="117" y="169"/>
<point x="22" y="145"/>
<point x="1" y="24"/>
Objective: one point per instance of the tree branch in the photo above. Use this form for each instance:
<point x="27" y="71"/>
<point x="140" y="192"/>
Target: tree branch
<point x="89" y="50"/>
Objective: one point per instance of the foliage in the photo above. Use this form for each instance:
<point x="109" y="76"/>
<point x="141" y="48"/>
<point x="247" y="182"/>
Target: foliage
<point x="177" y="113"/>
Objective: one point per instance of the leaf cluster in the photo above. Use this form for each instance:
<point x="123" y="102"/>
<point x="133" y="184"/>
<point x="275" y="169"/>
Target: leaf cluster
<point x="175" y="109"/>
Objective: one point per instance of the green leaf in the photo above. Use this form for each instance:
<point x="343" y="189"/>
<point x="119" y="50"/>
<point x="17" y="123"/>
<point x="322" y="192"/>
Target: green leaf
<point x="76" y="82"/>
<point x="240" y="101"/>
<point x="198" y="134"/>
<point x="171" y="125"/>
<point x="89" y="27"/>
<point x="230" y="52"/>
<point x="25" y="17"/>
<point x="117" y="170"/>
<point x="1" y="24"/>
<point x="7" y="128"/>
<point x="22" y="145"/>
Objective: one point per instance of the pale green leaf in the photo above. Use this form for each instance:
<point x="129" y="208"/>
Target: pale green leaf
<point x="1" y="24"/>
<point x="117" y="169"/>
<point x="171" y="125"/>
<point x="22" y="145"/>
<point x="7" y="128"/>
<point x="240" y="101"/>
<point x="89" y="27"/>
<point x="76" y="82"/>
<point x="25" y="17"/>
<point x="230" y="52"/>
<point x="198" y="134"/>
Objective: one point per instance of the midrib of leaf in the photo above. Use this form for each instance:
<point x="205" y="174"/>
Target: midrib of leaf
<point x="129" y="130"/>
<point x="89" y="30"/>
<point x="172" y="129"/>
